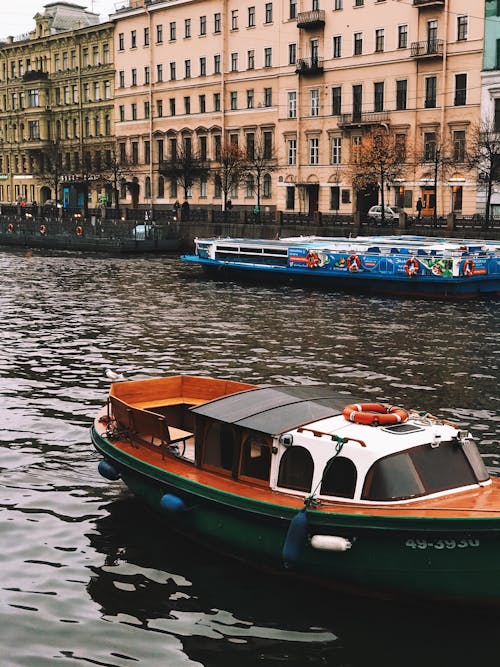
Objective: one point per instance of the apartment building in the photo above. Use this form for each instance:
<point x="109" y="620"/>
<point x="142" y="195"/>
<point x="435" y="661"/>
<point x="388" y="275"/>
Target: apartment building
<point x="56" y="108"/>
<point x="490" y="90"/>
<point x="307" y="81"/>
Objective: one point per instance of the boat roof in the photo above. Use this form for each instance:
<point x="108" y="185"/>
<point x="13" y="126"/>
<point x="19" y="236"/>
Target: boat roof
<point x="275" y="410"/>
<point x="408" y="243"/>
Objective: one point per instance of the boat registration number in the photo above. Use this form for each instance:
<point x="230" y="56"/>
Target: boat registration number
<point x="463" y="543"/>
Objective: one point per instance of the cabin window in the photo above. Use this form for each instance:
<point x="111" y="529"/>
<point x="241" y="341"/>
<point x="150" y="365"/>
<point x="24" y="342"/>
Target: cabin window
<point x="296" y="469"/>
<point x="424" y="470"/>
<point x="219" y="447"/>
<point x="339" y="478"/>
<point x="256" y="458"/>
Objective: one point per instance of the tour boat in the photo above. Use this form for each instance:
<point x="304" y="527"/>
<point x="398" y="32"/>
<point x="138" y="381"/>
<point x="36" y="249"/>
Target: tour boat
<point x="401" y="265"/>
<point x="304" y="480"/>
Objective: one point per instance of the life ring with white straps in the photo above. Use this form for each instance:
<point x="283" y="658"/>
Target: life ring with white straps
<point x="412" y="267"/>
<point x="468" y="268"/>
<point x="353" y="263"/>
<point x="374" y="414"/>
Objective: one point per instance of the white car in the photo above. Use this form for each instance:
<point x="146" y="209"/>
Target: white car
<point x="391" y="214"/>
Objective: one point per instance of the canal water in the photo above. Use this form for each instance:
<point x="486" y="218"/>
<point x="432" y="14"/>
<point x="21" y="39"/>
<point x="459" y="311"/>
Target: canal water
<point x="88" y="576"/>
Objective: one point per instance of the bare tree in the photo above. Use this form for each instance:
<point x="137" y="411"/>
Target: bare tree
<point x="231" y="170"/>
<point x="48" y="163"/>
<point x="485" y="157"/>
<point x="260" y="160"/>
<point x="377" y="160"/>
<point x="115" y="169"/>
<point x="185" y="167"/>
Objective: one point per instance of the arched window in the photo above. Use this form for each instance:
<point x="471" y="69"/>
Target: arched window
<point x="296" y="469"/>
<point x="147" y="187"/>
<point x="161" y="187"/>
<point x="267" y="185"/>
<point x="340" y="478"/>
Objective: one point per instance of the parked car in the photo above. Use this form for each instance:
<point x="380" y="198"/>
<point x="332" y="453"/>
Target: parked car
<point x="391" y="214"/>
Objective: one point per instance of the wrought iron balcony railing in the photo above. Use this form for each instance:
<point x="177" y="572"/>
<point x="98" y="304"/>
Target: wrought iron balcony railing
<point x="432" y="48"/>
<point x="368" y="118"/>
<point x="309" y="66"/>
<point x="311" y="20"/>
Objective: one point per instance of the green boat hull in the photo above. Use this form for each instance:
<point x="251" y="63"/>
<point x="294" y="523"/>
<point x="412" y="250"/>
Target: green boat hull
<point x="392" y="556"/>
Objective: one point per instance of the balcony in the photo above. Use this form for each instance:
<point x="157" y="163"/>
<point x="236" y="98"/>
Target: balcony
<point x="311" y="20"/>
<point x="35" y="75"/>
<point x="309" y="66"/>
<point x="428" y="3"/>
<point x="358" y="119"/>
<point x="429" y="49"/>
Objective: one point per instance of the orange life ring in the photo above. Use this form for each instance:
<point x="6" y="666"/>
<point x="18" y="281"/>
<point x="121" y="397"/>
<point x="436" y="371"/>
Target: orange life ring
<point x="373" y="414"/>
<point x="353" y="263"/>
<point x="43" y="230"/>
<point x="79" y="230"/>
<point x="468" y="268"/>
<point x="312" y="259"/>
<point x="10" y="228"/>
<point x="412" y="267"/>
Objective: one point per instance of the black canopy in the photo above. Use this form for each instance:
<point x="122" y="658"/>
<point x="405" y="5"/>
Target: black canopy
<point x="275" y="410"/>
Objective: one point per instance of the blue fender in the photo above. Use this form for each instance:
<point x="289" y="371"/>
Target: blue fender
<point x="108" y="470"/>
<point x="172" y="504"/>
<point x="295" y="538"/>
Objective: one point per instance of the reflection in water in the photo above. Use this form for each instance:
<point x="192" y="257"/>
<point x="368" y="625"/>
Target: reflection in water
<point x="102" y="580"/>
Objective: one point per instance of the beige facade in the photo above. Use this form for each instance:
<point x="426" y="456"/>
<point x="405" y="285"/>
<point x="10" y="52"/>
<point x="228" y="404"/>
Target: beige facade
<point x="56" y="108"/>
<point x="308" y="81"/>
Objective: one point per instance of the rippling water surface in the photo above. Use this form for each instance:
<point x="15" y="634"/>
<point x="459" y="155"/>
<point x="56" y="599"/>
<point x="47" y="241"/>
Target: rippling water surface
<point x="88" y="576"/>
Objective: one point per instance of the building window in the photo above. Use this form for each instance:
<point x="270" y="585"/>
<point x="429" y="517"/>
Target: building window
<point x="401" y="94"/>
<point x="217" y="64"/>
<point x="121" y="79"/>
<point x="378" y="96"/>
<point x="457" y="195"/>
<point x="233" y="100"/>
<point x="134" y="111"/>
<point x="429" y="146"/>
<point x="268" y="97"/>
<point x="159" y="108"/>
<point x="203" y="66"/>
<point x="268" y="57"/>
<point x="147" y="152"/>
<point x="217" y="22"/>
<point x="216" y="101"/>
<point x="187" y="28"/>
<point x="250" y="145"/>
<point x="314" y="102"/>
<point x="173" y="71"/>
<point x="336" y="101"/>
<point x="133" y="81"/>
<point x="402" y="36"/>
<point x="234" y="19"/>
<point x="172" y="31"/>
<point x="292" y="54"/>
<point x="234" y="62"/>
<point x="161" y="187"/>
<point x="292" y="9"/>
<point x="146" y="36"/>
<point x="187" y="69"/>
<point x="379" y="40"/>
<point x="159" y="73"/>
<point x="336" y="154"/>
<point x="267" y="186"/>
<point x="462" y="27"/>
<point x="358" y="43"/>
<point x="430" y="92"/>
<point x="314" y="150"/>
<point x="251" y="59"/>
<point x="359" y="3"/>
<point x="268" y="145"/>
<point x="334" y="198"/>
<point x="135" y="152"/>
<point x="171" y="106"/>
<point x="121" y="41"/>
<point x="202" y="143"/>
<point x="121" y="112"/>
<point x="159" y="34"/>
<point x="146" y="75"/>
<point x="202" y="103"/>
<point x="338" y="4"/>
<point x="250" y="98"/>
<point x="187" y="105"/>
<point x="290" y="197"/>
<point x="147" y="110"/>
<point x="268" y="12"/>
<point x="459" y="145"/>
<point x="292" y="104"/>
<point x="337" y="46"/>
<point x="133" y="39"/>
<point x="460" y="89"/>
<point x="203" y="25"/>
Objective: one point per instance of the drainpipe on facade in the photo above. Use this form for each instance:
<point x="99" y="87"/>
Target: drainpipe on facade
<point x="150" y="93"/>
<point x="443" y="106"/>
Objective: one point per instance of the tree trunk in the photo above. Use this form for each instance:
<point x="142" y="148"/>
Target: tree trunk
<point x="382" y="197"/>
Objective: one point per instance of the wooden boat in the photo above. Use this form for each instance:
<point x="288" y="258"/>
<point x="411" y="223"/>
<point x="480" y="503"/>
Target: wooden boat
<point x="402" y="265"/>
<point x="301" y="479"/>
